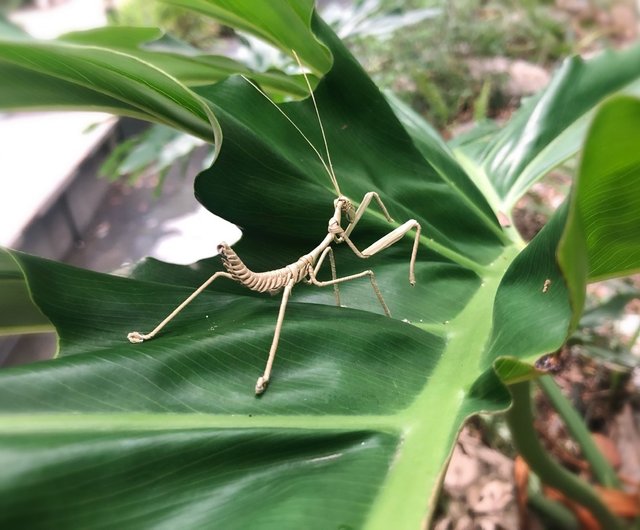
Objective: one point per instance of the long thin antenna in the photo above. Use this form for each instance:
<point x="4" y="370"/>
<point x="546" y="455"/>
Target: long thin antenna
<point x="324" y="136"/>
<point x="326" y="164"/>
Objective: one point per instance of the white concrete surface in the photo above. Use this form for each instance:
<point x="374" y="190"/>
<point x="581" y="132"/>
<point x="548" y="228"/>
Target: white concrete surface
<point x="71" y="15"/>
<point x="192" y="237"/>
<point x="40" y="152"/>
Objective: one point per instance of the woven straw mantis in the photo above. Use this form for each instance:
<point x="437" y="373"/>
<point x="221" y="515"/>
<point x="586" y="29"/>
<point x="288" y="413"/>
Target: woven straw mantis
<point x="306" y="268"/>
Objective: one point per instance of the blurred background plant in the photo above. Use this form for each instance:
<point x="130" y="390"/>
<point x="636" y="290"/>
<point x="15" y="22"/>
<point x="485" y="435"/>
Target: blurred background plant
<point x="441" y="68"/>
<point x="459" y="64"/>
<point x="11" y="5"/>
<point x="201" y="32"/>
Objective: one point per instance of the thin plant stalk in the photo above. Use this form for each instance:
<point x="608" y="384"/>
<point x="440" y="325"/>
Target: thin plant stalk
<point x="520" y="420"/>
<point x="601" y="469"/>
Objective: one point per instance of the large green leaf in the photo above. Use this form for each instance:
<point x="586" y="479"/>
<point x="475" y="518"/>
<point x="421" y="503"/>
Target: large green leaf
<point x="134" y="72"/>
<point x="182" y="61"/>
<point x="550" y="127"/>
<point x="363" y="410"/>
<point x="285" y="24"/>
<point x="595" y="236"/>
<point x="18" y="313"/>
<point x="363" y="407"/>
<point x="602" y="239"/>
<point x="56" y="74"/>
<point x="139" y="72"/>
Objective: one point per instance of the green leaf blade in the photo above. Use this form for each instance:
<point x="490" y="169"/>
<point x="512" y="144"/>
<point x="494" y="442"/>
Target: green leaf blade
<point x="18" y="313"/>
<point x="212" y="463"/>
<point x="284" y="24"/>
<point x="105" y="80"/>
<point x="608" y="196"/>
<point x="551" y="127"/>
<point x="601" y="236"/>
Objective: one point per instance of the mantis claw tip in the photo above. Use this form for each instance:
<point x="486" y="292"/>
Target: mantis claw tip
<point x="135" y="337"/>
<point x="261" y="385"/>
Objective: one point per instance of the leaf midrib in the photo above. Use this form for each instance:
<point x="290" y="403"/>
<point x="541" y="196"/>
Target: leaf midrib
<point x="414" y="465"/>
<point x="162" y="421"/>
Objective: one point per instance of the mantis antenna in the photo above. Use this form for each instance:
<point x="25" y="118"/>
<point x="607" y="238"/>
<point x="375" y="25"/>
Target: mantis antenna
<point x="328" y="166"/>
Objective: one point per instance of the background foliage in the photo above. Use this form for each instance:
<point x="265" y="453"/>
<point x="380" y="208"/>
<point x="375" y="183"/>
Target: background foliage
<point x="359" y="423"/>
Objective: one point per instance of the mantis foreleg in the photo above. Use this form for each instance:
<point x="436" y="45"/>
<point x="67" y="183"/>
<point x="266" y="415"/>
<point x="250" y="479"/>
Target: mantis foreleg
<point x="386" y="241"/>
<point x="364" y="204"/>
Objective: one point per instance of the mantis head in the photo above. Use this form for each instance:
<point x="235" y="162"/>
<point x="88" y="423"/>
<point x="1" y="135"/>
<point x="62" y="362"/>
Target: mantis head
<point x="346" y="207"/>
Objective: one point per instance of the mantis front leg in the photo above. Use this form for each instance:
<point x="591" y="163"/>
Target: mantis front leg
<point x="364" y="204"/>
<point x="386" y="241"/>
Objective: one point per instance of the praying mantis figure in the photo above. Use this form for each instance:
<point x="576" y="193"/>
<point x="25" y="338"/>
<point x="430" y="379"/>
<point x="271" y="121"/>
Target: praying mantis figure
<point x="306" y="268"/>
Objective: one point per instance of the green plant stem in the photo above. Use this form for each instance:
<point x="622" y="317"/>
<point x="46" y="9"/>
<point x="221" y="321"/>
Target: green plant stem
<point x="601" y="469"/>
<point x="555" y="515"/>
<point x="520" y="420"/>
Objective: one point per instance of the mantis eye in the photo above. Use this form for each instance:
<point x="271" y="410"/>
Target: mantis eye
<point x="351" y="213"/>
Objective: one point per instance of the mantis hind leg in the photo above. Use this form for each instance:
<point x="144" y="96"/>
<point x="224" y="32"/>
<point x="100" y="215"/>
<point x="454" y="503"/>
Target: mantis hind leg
<point x="263" y="380"/>
<point x="334" y="275"/>
<point x="137" y="337"/>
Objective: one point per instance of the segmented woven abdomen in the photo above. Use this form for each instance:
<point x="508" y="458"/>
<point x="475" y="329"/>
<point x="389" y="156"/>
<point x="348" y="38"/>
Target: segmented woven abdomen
<point x="270" y="281"/>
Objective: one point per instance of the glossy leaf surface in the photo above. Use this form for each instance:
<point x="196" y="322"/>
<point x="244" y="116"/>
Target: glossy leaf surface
<point x="283" y="24"/>
<point x="18" y="313"/>
<point x="55" y="74"/>
<point x="602" y="239"/>
<point x="551" y="126"/>
<point x="349" y="385"/>
<point x="363" y="410"/>
<point x="181" y="60"/>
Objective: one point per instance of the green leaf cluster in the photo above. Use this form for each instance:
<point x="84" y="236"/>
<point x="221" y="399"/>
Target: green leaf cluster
<point x="363" y="411"/>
